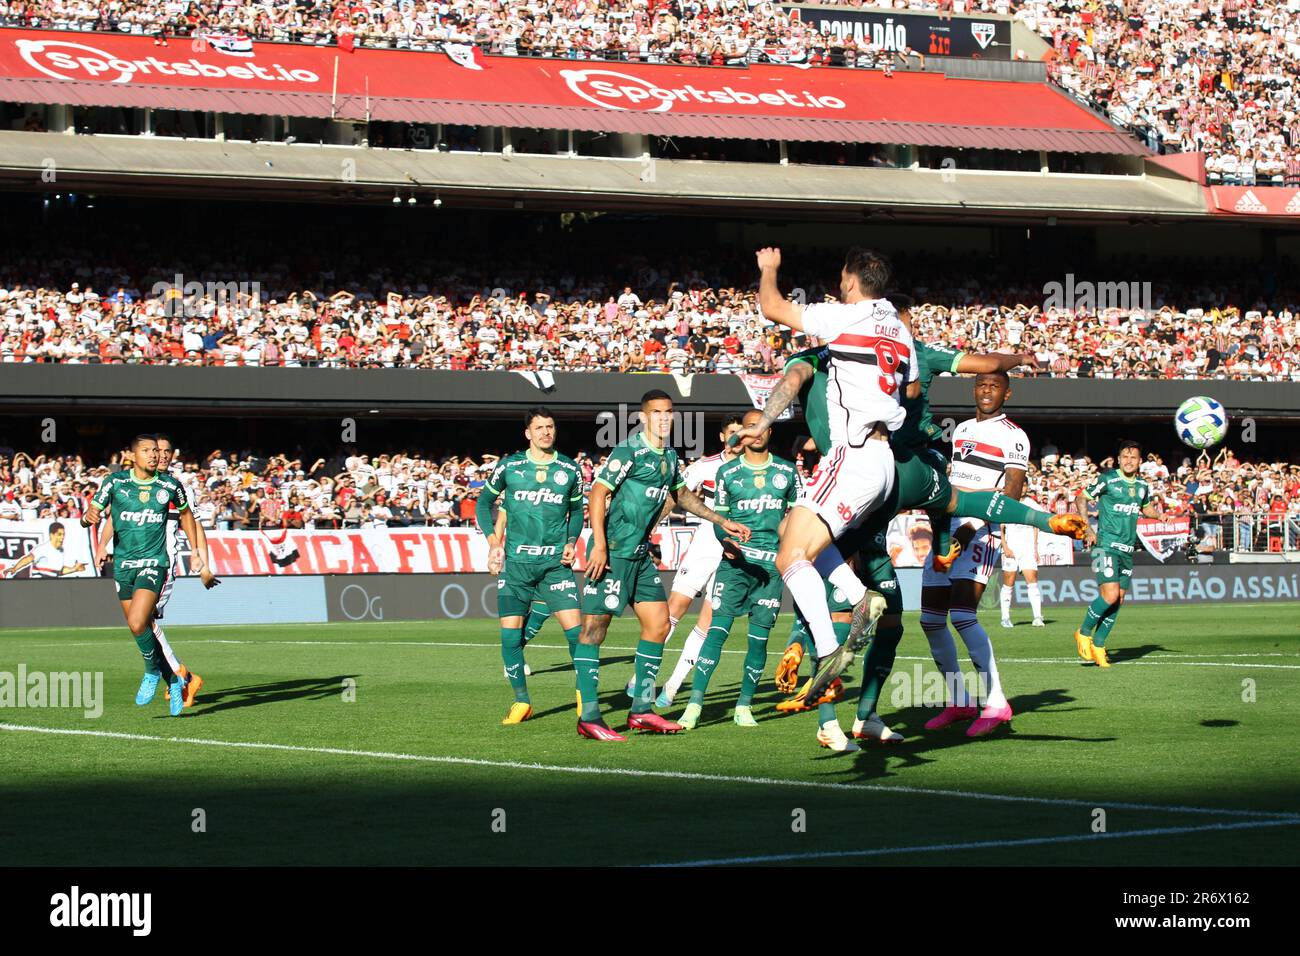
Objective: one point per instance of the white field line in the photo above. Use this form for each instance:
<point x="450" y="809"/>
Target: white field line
<point x="980" y="845"/>
<point x="652" y="774"/>
<point x="1161" y="659"/>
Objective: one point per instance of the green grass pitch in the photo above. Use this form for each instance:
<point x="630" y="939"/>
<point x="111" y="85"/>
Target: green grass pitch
<point x="1187" y="744"/>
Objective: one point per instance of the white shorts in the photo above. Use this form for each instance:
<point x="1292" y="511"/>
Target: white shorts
<point x="702" y="557"/>
<point x="1025" y="560"/>
<point x="975" y="563"/>
<point x="849" y="484"/>
<point x="165" y="594"/>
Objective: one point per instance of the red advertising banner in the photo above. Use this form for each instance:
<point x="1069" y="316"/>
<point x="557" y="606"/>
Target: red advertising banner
<point x="1253" y="200"/>
<point x="432" y="87"/>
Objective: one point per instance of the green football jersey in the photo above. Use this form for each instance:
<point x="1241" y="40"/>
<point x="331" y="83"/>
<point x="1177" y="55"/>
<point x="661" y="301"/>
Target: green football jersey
<point x="757" y="496"/>
<point x="919" y="429"/>
<point x="539" y="498"/>
<point x="1120" y="502"/>
<point x="139" y="510"/>
<point x="639" y="478"/>
<point x="812" y="396"/>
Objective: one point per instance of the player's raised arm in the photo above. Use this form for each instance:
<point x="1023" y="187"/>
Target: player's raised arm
<point x="993" y="362"/>
<point x="692" y="503"/>
<point x="778" y="401"/>
<point x="771" y="302"/>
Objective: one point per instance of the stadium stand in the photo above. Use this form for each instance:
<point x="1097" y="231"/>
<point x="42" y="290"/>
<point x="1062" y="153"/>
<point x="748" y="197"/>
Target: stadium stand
<point x="252" y="489"/>
<point x="1212" y="76"/>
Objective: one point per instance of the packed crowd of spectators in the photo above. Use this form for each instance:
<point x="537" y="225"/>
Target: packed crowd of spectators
<point x="251" y="490"/>
<point x="652" y="325"/>
<point x="1216" y="76"/>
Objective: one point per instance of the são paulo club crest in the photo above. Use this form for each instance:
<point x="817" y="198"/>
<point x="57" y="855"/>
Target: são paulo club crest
<point x="983" y="34"/>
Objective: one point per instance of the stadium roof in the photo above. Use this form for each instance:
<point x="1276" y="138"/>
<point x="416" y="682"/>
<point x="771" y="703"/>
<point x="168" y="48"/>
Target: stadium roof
<point x="169" y="166"/>
<point x="757" y="103"/>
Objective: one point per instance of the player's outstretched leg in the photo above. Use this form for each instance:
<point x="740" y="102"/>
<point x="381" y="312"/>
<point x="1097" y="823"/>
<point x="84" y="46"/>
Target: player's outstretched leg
<point x="997" y="507"/>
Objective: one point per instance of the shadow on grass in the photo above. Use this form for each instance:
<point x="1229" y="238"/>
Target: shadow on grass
<point x="1121" y="654"/>
<point x="253" y="695"/>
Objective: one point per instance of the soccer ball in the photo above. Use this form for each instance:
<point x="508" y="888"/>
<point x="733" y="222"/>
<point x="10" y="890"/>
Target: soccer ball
<point x="1201" y="422"/>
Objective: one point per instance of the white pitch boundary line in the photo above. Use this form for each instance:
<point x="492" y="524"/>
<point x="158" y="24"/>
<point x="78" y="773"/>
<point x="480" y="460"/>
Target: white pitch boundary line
<point x="980" y="845"/>
<point x="655" y="774"/>
<point x="1162" y="659"/>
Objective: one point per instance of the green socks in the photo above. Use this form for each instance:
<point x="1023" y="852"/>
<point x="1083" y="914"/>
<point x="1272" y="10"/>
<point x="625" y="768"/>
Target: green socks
<point x="649" y="656"/>
<point x="1092" y="617"/>
<point x="995" y="506"/>
<point x="538" y="612"/>
<point x="154" y="660"/>
<point x="1105" y="624"/>
<point x="571" y="635"/>
<point x="586" y="661"/>
<point x="799" y="634"/>
<point x="512" y="654"/>
<point x="706" y="662"/>
<point x="755" y="662"/>
<point x="876" y="668"/>
<point x="841" y="630"/>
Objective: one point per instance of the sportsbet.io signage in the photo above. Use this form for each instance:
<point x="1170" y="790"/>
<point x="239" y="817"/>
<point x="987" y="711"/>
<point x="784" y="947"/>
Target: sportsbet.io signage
<point x="924" y="33"/>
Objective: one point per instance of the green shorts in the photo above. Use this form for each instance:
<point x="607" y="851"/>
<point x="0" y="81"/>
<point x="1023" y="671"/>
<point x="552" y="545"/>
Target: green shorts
<point x="626" y="581"/>
<point x="1112" y="566"/>
<point x="876" y="571"/>
<point x="523" y="582"/>
<point x="741" y="588"/>
<point x="920" y="482"/>
<point x="139" y="574"/>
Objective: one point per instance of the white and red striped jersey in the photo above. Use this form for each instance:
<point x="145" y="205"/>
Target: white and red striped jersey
<point x="982" y="451"/>
<point x="47" y="561"/>
<point x="700" y="476"/>
<point x="871" y="363"/>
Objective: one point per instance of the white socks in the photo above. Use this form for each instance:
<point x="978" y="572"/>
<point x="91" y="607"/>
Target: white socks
<point x="808" y="589"/>
<point x="830" y="565"/>
<point x="1035" y="600"/>
<point x="685" y="661"/>
<point x="1005" y="597"/>
<point x="980" y="649"/>
<point x="944" y="651"/>
<point x="166" y="648"/>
